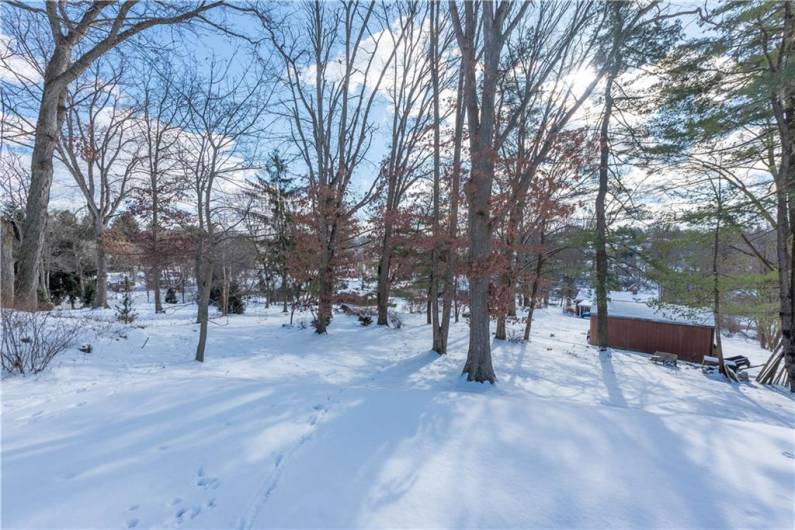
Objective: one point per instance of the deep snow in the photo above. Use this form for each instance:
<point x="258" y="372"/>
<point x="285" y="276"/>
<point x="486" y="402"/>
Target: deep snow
<point x="367" y="428"/>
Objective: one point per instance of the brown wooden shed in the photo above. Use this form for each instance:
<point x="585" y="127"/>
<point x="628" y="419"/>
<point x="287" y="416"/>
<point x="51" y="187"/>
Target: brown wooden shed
<point x="690" y="340"/>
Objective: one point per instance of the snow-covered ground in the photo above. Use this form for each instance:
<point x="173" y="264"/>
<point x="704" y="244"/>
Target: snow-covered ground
<point x="367" y="428"/>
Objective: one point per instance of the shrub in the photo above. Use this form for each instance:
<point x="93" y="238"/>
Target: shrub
<point x="355" y="298"/>
<point x="237" y="305"/>
<point x="394" y="319"/>
<point x="171" y="296"/>
<point x="365" y="320"/>
<point x="124" y="311"/>
<point x="89" y="293"/>
<point x="31" y="340"/>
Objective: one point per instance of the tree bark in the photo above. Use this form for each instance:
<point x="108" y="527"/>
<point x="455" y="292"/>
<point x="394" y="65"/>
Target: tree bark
<point x="204" y="284"/>
<point x="325" y="293"/>
<point x="285" y="290"/>
<point x="7" y="264"/>
<point x="382" y="291"/>
<point x="449" y="282"/>
<point x="156" y="274"/>
<point x="437" y="343"/>
<point x="101" y="297"/>
<point x="481" y="117"/>
<point x="716" y="289"/>
<point x="48" y="125"/>
<point x="601" y="217"/>
<point x="533" y="295"/>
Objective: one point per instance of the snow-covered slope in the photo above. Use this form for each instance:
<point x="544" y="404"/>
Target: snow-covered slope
<point x="366" y="428"/>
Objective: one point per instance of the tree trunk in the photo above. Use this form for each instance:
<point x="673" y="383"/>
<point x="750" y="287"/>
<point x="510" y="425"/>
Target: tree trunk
<point x="500" y="332"/>
<point x="531" y="307"/>
<point x="450" y="282"/>
<point x="382" y="290"/>
<point x="533" y="295"/>
<point x="101" y="298"/>
<point x="6" y="264"/>
<point x="156" y="274"/>
<point x="601" y="218"/>
<point x="48" y="126"/>
<point x="428" y="300"/>
<point x="716" y="292"/>
<point x="156" y="269"/>
<point x="478" y="365"/>
<point x="325" y="293"/>
<point x="482" y="150"/>
<point x="437" y="344"/>
<point x="224" y="290"/>
<point x="285" y="290"/>
<point x="204" y="284"/>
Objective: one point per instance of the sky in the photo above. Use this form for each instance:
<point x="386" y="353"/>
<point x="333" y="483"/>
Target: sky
<point x="202" y="44"/>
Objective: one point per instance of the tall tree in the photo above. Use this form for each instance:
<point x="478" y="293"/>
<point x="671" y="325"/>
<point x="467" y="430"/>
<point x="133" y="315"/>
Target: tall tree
<point x="99" y="147"/>
<point x="542" y="97"/>
<point x="408" y="91"/>
<point x="158" y="124"/>
<point x="223" y="125"/>
<point x="271" y="220"/>
<point x="638" y="35"/>
<point x="494" y="22"/>
<point x="734" y="83"/>
<point x="80" y="33"/>
<point x="334" y="66"/>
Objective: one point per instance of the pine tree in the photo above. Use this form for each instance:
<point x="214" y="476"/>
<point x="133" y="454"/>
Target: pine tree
<point x="124" y="311"/>
<point x="732" y="88"/>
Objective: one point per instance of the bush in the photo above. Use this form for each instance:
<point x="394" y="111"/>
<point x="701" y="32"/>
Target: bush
<point x="171" y="296"/>
<point x="365" y="320"/>
<point x="355" y="298"/>
<point x="89" y="293"/>
<point x="236" y="304"/>
<point x="31" y="340"/>
<point x="394" y="319"/>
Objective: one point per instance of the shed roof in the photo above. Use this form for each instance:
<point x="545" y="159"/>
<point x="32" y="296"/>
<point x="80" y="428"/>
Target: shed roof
<point x="647" y="310"/>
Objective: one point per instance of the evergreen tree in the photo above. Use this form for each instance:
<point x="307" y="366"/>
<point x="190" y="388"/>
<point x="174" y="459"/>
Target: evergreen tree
<point x="732" y="89"/>
<point x="124" y="311"/>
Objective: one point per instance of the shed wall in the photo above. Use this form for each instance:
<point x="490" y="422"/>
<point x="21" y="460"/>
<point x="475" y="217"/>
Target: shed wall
<point x="690" y="343"/>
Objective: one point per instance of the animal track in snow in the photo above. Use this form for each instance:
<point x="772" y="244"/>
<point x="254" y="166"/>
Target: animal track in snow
<point x="206" y="482"/>
<point x="272" y="480"/>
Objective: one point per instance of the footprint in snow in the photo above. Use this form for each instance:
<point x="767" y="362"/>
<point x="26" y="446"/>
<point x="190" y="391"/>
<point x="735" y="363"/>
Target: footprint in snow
<point x="176" y="501"/>
<point x="205" y="481"/>
<point x="133" y="507"/>
<point x="788" y="454"/>
<point x="132" y="523"/>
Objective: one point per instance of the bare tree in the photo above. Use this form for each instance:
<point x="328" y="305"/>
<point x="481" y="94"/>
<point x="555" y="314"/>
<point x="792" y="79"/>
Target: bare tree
<point x="494" y="23"/>
<point x="409" y="92"/>
<point x="80" y="33"/>
<point x="541" y="97"/>
<point x="159" y="124"/>
<point x="99" y="148"/>
<point x="333" y="72"/>
<point x="218" y="148"/>
<point x="449" y="252"/>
